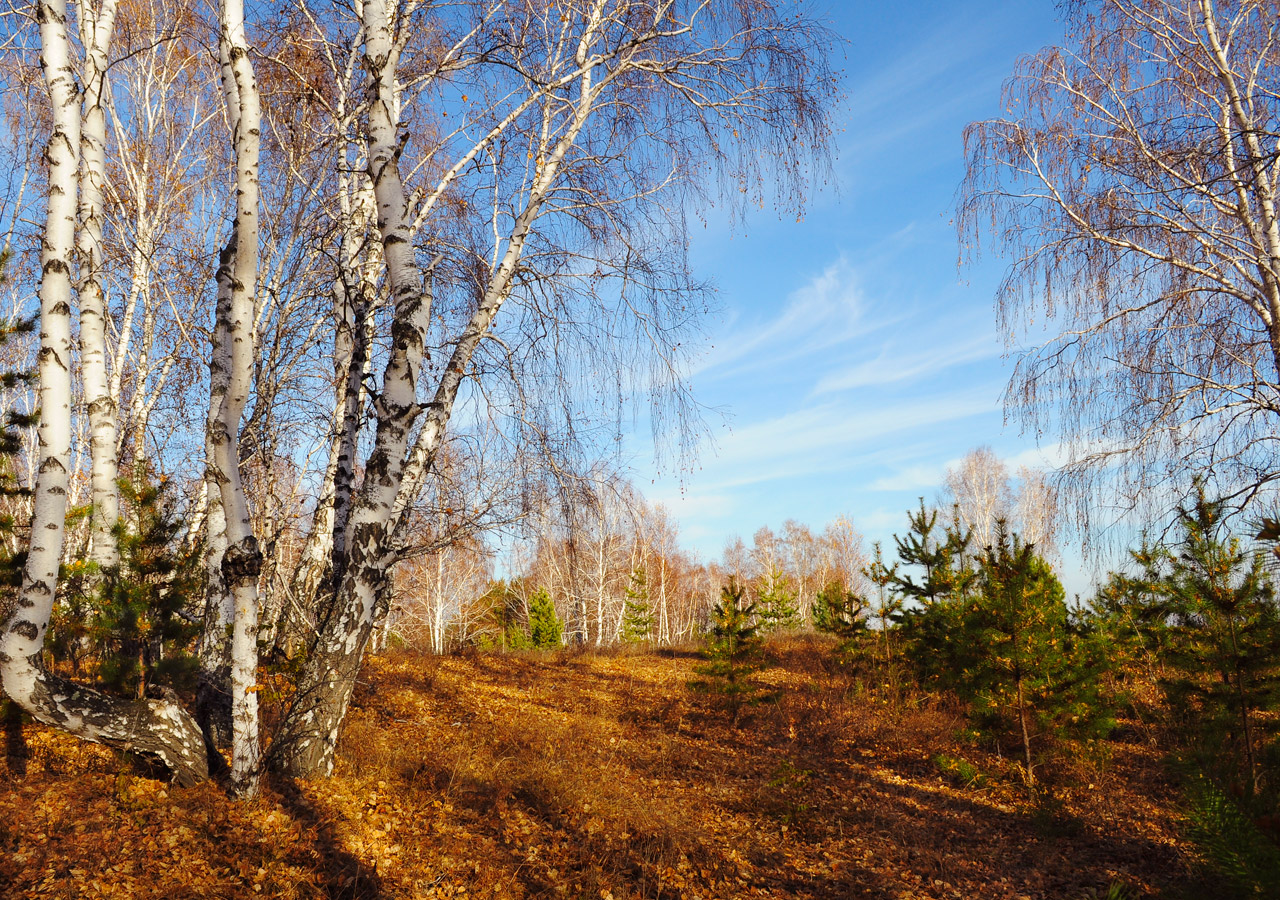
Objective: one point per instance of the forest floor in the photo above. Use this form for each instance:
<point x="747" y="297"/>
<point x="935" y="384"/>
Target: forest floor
<point x="605" y="777"/>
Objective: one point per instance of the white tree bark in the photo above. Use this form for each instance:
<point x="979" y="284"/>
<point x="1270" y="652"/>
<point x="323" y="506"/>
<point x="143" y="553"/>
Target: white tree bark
<point x="324" y="554"/>
<point x="96" y="29"/>
<point x="154" y="727"/>
<point x="310" y="735"/>
<point x="237" y="282"/>
<point x="213" y="693"/>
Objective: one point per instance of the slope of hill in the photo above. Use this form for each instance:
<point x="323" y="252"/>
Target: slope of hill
<point x="602" y="777"/>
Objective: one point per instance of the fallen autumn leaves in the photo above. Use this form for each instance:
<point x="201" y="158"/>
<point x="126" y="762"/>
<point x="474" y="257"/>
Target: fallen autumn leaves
<point x="597" y="777"/>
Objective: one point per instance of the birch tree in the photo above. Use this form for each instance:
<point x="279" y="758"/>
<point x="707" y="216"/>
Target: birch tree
<point x="164" y="208"/>
<point x="1133" y="186"/>
<point x="231" y="371"/>
<point x="97" y="26"/>
<point x="982" y="494"/>
<point x="433" y="590"/>
<point x="155" y="727"/>
<point x="979" y="487"/>
<point x="610" y="107"/>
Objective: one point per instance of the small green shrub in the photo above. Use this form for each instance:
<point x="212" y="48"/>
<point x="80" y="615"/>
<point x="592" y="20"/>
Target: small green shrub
<point x="787" y="794"/>
<point x="1243" y="860"/>
<point x="1116" y="890"/>
<point x="961" y="771"/>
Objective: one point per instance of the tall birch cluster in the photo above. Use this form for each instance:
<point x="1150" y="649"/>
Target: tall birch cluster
<point x="1132" y="188"/>
<point x="158" y="727"/>
<point x="382" y="276"/>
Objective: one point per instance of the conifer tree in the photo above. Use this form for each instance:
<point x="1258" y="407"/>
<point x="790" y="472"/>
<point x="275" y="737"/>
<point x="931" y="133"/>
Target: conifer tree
<point x="888" y="602"/>
<point x="1223" y="638"/>
<point x="945" y="582"/>
<point x="499" y="613"/>
<point x="1200" y="617"/>
<point x="839" y="611"/>
<point x="885" y="611"/>
<point x="733" y="648"/>
<point x="134" y="623"/>
<point x="776" y="603"/>
<point x="1023" y="665"/>
<point x="637" y="619"/>
<point x="545" y="628"/>
<point x="940" y="553"/>
<point x="1127" y="610"/>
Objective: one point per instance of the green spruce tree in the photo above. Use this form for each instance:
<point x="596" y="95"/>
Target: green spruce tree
<point x="940" y="554"/>
<point x="839" y="611"/>
<point x="137" y="629"/>
<point x="883" y="614"/>
<point x="637" y="619"/>
<point x="732" y="649"/>
<point x="500" y="618"/>
<point x="1026" y="669"/>
<point x="545" y="628"/>
<point x="775" y="604"/>
<point x="935" y="582"/>
<point x="1200" y="619"/>
<point x="1223" y="643"/>
<point x="887" y="606"/>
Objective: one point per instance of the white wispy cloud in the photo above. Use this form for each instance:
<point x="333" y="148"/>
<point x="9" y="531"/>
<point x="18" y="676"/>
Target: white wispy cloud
<point x="911" y="478"/>
<point x="832" y="437"/>
<point x="827" y="311"/>
<point x="892" y="364"/>
<point x="1050" y="456"/>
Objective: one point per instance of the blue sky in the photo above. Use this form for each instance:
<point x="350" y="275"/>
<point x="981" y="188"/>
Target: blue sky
<point x="853" y="359"/>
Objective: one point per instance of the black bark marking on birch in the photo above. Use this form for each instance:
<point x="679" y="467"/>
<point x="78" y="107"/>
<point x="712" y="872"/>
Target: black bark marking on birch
<point x="48" y="465"/>
<point x="27" y="629"/>
<point x="242" y="561"/>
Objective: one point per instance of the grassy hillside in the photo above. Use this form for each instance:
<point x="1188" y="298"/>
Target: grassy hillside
<point x="603" y="777"/>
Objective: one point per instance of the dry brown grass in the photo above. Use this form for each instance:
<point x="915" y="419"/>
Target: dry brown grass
<point x="603" y="776"/>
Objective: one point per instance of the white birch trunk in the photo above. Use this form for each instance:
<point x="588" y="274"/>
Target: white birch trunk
<point x="237" y="281"/>
<point x="95" y="34"/>
<point x="213" y="693"/>
<point x="310" y="733"/>
<point x="156" y="728"/>
<point x="394" y="473"/>
<point x="323" y="558"/>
